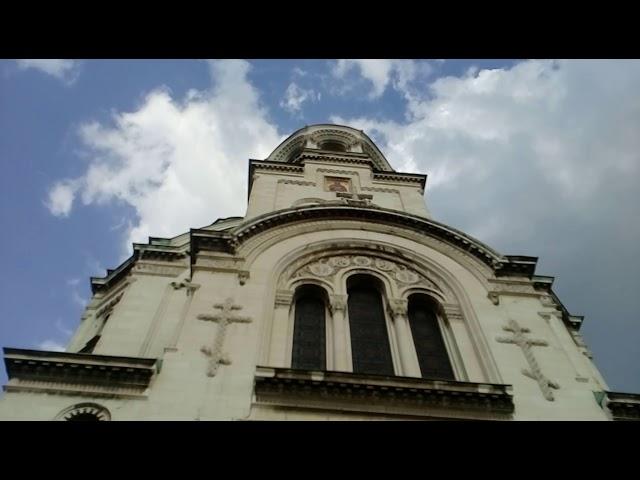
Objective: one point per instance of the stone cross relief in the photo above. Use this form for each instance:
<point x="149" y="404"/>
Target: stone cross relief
<point x="223" y="319"/>
<point x="525" y="344"/>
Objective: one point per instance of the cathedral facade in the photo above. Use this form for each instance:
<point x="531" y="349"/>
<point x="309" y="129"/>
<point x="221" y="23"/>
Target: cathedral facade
<point x="336" y="297"/>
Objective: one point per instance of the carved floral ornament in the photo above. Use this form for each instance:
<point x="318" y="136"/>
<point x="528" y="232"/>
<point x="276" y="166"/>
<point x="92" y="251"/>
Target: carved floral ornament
<point x="326" y="268"/>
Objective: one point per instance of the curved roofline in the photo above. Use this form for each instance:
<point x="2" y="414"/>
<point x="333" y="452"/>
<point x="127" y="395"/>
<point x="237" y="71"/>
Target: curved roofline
<point x="382" y="160"/>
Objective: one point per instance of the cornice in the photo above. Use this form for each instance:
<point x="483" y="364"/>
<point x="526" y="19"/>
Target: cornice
<point x="386" y="394"/>
<point x="257" y="165"/>
<point x="325" y="155"/>
<point x="401" y="177"/>
<point x="623" y="406"/>
<point x="509" y="265"/>
<point x="77" y="373"/>
<point x="157" y="250"/>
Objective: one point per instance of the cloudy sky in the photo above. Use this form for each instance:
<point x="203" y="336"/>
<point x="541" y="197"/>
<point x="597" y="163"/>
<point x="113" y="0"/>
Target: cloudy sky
<point x="534" y="158"/>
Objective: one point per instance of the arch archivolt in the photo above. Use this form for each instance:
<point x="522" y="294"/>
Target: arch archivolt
<point x="300" y="281"/>
<point x="258" y="244"/>
<point x="403" y="271"/>
<point x="332" y="268"/>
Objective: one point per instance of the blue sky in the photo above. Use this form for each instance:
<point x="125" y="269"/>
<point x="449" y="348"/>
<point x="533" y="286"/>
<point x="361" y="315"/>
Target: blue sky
<point x="532" y="157"/>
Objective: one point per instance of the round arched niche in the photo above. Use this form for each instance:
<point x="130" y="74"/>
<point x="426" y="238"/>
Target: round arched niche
<point x="332" y="145"/>
<point x="84" y="412"/>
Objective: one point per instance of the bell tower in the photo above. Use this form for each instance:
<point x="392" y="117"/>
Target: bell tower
<point x="331" y="165"/>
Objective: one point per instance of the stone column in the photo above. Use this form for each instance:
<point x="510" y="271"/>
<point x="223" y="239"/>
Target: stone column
<point x="338" y="305"/>
<point x="279" y="343"/>
<point x="408" y="356"/>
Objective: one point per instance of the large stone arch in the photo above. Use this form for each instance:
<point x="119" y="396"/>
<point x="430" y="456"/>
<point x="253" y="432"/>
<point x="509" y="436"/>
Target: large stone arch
<point x="261" y="233"/>
<point x="315" y="259"/>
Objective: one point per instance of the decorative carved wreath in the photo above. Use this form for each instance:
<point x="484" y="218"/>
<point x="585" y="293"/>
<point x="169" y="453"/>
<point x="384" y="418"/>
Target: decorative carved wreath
<point x="84" y="412"/>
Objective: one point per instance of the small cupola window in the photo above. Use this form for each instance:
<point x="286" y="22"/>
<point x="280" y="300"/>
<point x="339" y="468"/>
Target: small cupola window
<point x="333" y="146"/>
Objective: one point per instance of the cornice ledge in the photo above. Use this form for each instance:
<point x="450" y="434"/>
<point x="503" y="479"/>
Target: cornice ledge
<point x="378" y="392"/>
<point x="215" y="241"/>
<point x="623" y="406"/>
<point x="509" y="265"/>
<point x="61" y="372"/>
<point x="155" y="250"/>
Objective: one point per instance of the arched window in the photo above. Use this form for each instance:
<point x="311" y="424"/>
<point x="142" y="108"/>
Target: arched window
<point x="309" y="330"/>
<point x="84" y="412"/>
<point x="333" y="146"/>
<point x="432" y="352"/>
<point x="369" y="338"/>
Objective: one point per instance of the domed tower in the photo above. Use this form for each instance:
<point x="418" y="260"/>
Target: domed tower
<point x="337" y="296"/>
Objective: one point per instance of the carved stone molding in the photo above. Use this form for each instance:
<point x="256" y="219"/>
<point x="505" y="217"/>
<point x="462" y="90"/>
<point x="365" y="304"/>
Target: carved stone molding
<point x="494" y="297"/>
<point x="398" y="307"/>
<point x="380" y="189"/>
<point x="277" y="166"/>
<point x="326" y="267"/>
<point x="454" y="240"/>
<point x="243" y="276"/>
<point x="547" y="301"/>
<point x="109" y="305"/>
<point x="144" y="268"/>
<point x="389" y="395"/>
<point x="511" y="287"/>
<point x="79" y="373"/>
<point x="336" y="158"/>
<point x="337" y="172"/>
<point x="303" y="183"/>
<point x="284" y="298"/>
<point x="219" y="263"/>
<point x="286" y="150"/>
<point x="452" y="311"/>
<point x="337" y="303"/>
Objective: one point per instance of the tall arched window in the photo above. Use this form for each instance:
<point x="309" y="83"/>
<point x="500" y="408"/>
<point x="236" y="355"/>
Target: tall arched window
<point x="309" y="330"/>
<point x="369" y="338"/>
<point x="432" y="352"/>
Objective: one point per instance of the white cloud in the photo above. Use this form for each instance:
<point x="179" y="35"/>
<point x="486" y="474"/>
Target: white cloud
<point x="376" y="71"/>
<point x="295" y="96"/>
<point x="381" y="73"/>
<point x="573" y="123"/>
<point x="51" y="345"/>
<point x="179" y="164"/>
<point x="65" y="70"/>
<point x="297" y="71"/>
<point x="63" y="329"/>
<point x="61" y="198"/>
<point x="78" y="299"/>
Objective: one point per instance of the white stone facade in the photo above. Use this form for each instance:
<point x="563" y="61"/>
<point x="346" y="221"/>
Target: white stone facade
<point x="200" y="327"/>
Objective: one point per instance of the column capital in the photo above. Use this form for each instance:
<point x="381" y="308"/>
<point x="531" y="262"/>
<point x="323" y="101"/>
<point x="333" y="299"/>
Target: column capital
<point x="284" y="298"/>
<point x="452" y="311"/>
<point x="398" y="306"/>
<point x="337" y="303"/>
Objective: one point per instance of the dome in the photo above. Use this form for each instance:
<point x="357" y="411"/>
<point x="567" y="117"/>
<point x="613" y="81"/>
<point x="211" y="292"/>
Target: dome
<point x="337" y="139"/>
